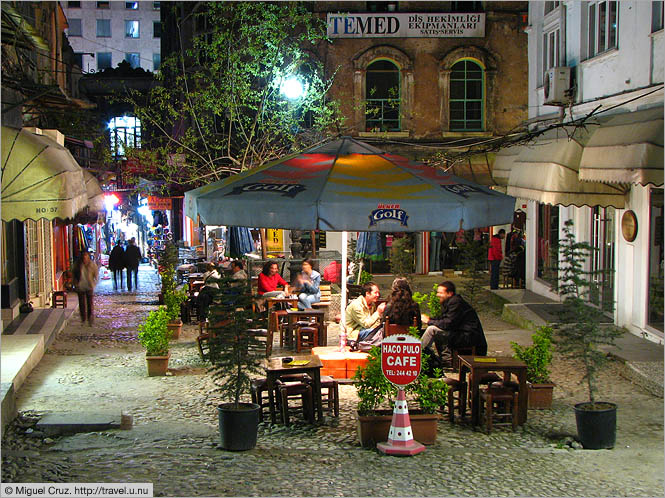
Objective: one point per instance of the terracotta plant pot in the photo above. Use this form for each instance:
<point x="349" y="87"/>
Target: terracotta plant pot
<point x="175" y="327"/>
<point x="374" y="429"/>
<point x="540" y="395"/>
<point x="157" y="365"/>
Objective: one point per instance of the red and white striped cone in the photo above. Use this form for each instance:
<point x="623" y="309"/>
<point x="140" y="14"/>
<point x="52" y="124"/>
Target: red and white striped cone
<point x="400" y="438"/>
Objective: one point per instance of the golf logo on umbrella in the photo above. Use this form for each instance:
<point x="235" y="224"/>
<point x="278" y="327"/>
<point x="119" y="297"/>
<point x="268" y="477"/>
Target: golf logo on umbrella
<point x="287" y="190"/>
<point x="388" y="212"/>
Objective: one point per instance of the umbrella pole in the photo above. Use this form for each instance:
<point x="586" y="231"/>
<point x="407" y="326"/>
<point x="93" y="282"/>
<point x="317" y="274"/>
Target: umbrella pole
<point x="264" y="249"/>
<point x="342" y="319"/>
<point x="313" y="237"/>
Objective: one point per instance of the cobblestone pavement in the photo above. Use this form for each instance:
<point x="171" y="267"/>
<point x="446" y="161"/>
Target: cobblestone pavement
<point x="174" y="441"/>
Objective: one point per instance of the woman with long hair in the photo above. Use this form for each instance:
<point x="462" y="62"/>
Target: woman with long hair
<point x="401" y="308"/>
<point x="270" y="279"/>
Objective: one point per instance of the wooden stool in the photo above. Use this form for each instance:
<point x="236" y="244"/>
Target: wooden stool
<point x="459" y="388"/>
<point x="331" y="398"/>
<point x="275" y="322"/>
<point x="291" y="390"/>
<point x="307" y="337"/>
<point x="506" y="400"/>
<point x="59" y="299"/>
<point x="258" y="388"/>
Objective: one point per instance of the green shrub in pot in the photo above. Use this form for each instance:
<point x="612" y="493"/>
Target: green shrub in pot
<point x="154" y="334"/>
<point x="537" y="356"/>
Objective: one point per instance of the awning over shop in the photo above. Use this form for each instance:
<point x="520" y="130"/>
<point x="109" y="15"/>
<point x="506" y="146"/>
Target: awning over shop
<point x="547" y="171"/>
<point x="626" y="148"/>
<point x="503" y="164"/>
<point x="40" y="178"/>
<point x="476" y="168"/>
<point x="95" y="192"/>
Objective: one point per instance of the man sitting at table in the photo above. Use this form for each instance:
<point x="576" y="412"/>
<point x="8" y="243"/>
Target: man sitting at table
<point x="361" y="317"/>
<point x="458" y="326"/>
<point x="237" y="271"/>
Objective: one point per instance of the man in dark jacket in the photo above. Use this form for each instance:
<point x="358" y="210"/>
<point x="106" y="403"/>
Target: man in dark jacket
<point x="117" y="265"/>
<point x="459" y="325"/>
<point x="132" y="259"/>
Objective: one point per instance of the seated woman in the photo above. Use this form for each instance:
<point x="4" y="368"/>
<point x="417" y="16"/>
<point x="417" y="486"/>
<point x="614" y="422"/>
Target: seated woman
<point x="308" y="283"/>
<point x="269" y="280"/>
<point x="401" y="308"/>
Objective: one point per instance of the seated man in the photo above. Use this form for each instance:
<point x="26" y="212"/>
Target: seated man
<point x="209" y="289"/>
<point x="361" y="318"/>
<point x="459" y="325"/>
<point x="237" y="271"/>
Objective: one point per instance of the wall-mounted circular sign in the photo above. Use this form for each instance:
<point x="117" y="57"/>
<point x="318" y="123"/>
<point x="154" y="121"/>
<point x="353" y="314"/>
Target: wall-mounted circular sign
<point x="629" y="226"/>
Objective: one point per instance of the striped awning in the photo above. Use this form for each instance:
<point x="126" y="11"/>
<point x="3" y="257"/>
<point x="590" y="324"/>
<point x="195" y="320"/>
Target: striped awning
<point x="548" y="171"/>
<point x="626" y="148"/>
<point x="40" y="178"/>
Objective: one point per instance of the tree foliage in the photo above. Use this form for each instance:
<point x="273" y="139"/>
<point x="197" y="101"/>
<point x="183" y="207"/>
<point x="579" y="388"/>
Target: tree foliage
<point x="581" y="330"/>
<point x="218" y="108"/>
<point x="473" y="257"/>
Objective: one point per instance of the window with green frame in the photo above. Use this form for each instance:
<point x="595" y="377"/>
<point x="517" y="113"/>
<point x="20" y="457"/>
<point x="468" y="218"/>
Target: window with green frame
<point x="466" y="96"/>
<point x="382" y="97"/>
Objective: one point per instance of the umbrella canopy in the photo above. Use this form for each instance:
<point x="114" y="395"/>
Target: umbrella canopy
<point x="239" y="242"/>
<point x="369" y="246"/>
<point x="40" y="178"/>
<point x="349" y="185"/>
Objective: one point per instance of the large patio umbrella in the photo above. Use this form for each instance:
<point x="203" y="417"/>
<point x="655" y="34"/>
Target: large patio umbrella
<point x="344" y="185"/>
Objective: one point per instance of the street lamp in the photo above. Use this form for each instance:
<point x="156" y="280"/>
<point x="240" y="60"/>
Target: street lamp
<point x="292" y="88"/>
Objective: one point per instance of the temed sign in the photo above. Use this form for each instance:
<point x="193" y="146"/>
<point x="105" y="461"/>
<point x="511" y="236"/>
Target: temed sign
<point x="400" y="359"/>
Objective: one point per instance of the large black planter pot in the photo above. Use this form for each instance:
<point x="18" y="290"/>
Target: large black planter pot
<point x="238" y="427"/>
<point x="596" y="425"/>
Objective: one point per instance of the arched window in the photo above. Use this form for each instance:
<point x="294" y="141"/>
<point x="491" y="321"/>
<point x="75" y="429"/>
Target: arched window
<point x="467" y="95"/>
<point x="382" y="96"/>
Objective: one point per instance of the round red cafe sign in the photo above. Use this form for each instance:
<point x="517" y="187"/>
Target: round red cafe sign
<point x="400" y="359"/>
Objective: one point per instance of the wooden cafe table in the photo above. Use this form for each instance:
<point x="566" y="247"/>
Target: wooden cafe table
<point x="476" y="366"/>
<point x="272" y="318"/>
<point x="275" y="368"/>
<point x="295" y="315"/>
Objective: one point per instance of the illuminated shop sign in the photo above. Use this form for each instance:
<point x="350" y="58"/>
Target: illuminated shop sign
<point x="424" y="25"/>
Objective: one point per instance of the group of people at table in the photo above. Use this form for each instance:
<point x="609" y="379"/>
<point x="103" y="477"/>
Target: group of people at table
<point x="457" y="326"/>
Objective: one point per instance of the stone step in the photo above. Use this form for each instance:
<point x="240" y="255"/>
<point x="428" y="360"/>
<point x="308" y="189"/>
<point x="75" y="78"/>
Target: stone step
<point x="72" y="423"/>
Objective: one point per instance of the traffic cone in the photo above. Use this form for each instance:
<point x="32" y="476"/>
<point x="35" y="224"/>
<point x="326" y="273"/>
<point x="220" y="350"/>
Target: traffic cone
<point x="400" y="438"/>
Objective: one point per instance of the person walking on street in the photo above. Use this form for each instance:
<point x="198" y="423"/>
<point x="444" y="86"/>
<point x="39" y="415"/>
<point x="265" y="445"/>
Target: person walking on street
<point x="117" y="265"/>
<point x="86" y="277"/>
<point x="132" y="259"/>
<point x="495" y="255"/>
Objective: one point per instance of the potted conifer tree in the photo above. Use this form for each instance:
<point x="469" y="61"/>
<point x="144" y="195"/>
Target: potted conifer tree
<point x="154" y="337"/>
<point x="537" y="357"/>
<point x="579" y="334"/>
<point x="170" y="295"/>
<point x="236" y="353"/>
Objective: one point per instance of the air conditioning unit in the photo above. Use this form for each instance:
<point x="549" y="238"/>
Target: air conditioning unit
<point x="557" y="86"/>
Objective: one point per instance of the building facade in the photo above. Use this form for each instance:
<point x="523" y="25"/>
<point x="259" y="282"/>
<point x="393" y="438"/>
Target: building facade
<point x="43" y="186"/>
<point x="103" y="34"/>
<point x="420" y="79"/>
<point x="596" y="82"/>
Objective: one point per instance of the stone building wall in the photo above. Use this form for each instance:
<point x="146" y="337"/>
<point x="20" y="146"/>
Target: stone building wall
<point x="425" y="63"/>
